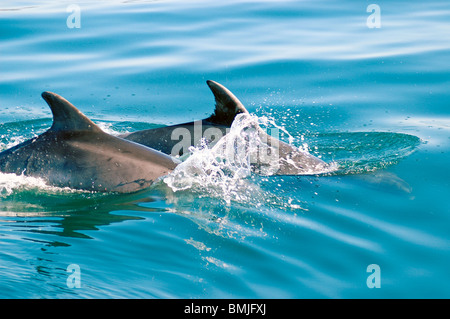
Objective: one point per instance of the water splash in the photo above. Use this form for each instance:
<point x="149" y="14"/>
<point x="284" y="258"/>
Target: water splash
<point x="14" y="133"/>
<point x="224" y="169"/>
<point x="11" y="183"/>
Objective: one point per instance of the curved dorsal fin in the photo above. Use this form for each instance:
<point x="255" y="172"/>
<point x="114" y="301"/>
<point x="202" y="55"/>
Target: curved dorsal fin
<point x="227" y="105"/>
<point x="67" y="117"/>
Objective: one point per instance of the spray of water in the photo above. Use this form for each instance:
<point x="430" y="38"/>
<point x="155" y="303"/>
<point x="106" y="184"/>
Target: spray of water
<point x="224" y="169"/>
<point x="10" y="183"/>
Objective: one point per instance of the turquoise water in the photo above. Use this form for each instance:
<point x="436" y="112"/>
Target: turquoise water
<point x="373" y="100"/>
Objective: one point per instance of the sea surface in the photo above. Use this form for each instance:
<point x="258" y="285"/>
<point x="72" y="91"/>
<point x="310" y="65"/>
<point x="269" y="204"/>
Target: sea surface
<point x="360" y="84"/>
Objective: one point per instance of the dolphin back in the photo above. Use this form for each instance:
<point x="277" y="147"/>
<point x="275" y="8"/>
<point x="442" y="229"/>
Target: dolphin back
<point x="76" y="153"/>
<point x="166" y="139"/>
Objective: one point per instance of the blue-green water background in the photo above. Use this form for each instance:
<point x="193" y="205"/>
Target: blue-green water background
<point x="317" y="69"/>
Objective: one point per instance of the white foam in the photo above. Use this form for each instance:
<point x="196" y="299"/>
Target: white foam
<point x="222" y="170"/>
<point x="14" y="140"/>
<point x="12" y="182"/>
<point x="108" y="128"/>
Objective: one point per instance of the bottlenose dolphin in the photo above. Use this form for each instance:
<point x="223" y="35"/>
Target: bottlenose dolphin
<point x="76" y="153"/>
<point x="176" y="139"/>
<point x="291" y="160"/>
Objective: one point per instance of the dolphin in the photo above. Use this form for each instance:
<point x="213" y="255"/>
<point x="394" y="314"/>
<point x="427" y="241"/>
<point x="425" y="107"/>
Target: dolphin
<point x="291" y="160"/>
<point x="176" y="139"/>
<point x="76" y="153"/>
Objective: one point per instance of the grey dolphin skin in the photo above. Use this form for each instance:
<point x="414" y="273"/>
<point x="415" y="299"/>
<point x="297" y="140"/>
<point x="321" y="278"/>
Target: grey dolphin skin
<point x="167" y="139"/>
<point x="76" y="153"/>
<point x="291" y="160"/>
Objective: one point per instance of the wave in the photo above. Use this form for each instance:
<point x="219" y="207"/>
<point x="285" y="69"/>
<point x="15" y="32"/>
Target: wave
<point x="362" y="152"/>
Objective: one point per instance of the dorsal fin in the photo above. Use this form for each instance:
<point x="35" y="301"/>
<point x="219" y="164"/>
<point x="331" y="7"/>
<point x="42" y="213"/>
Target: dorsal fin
<point x="67" y="117"/>
<point x="227" y="105"/>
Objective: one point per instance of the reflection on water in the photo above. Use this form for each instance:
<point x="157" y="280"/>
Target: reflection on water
<point x="68" y="214"/>
<point x="47" y="221"/>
